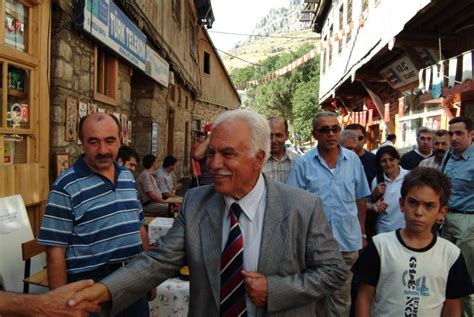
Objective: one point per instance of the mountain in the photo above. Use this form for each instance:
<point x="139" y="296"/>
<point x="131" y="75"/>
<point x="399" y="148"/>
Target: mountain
<point x="280" y="30"/>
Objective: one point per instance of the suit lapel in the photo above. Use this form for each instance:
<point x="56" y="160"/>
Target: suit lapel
<point x="210" y="229"/>
<point x="275" y="233"/>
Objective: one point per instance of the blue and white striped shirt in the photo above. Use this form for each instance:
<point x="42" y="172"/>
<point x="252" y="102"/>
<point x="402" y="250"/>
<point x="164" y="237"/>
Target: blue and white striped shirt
<point x="97" y="221"/>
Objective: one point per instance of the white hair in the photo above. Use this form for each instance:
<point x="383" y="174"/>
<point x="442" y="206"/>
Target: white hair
<point x="347" y="135"/>
<point x="259" y="129"/>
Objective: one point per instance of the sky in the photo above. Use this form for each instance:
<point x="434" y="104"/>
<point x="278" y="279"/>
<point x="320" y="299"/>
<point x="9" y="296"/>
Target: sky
<point x="238" y="17"/>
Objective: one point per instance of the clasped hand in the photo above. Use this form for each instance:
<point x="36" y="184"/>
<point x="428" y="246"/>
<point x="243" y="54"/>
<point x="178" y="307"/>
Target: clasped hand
<point x="256" y="287"/>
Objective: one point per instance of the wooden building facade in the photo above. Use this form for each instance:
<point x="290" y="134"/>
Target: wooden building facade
<point x="24" y="100"/>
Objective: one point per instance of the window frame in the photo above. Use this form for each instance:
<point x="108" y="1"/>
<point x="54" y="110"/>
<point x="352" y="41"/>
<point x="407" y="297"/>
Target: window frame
<point x="206" y="65"/>
<point x="109" y="64"/>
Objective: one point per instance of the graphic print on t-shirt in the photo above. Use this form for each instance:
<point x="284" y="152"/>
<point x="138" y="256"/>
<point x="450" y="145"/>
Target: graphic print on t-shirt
<point x="415" y="287"/>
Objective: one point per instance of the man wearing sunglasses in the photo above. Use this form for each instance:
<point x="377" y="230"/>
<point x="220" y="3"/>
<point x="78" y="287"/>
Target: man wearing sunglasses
<point x="337" y="176"/>
<point x="367" y="158"/>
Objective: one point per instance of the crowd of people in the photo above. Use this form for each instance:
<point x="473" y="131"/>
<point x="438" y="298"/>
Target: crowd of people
<point x="338" y="231"/>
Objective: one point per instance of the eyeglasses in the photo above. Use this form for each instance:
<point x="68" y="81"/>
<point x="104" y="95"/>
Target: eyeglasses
<point x="360" y="137"/>
<point x="326" y="129"/>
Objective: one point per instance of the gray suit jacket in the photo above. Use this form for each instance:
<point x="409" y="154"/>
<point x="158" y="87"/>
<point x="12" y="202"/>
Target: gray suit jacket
<point x="298" y="254"/>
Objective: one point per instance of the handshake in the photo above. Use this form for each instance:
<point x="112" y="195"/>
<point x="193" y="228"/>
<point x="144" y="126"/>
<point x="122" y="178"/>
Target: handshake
<point x="75" y="299"/>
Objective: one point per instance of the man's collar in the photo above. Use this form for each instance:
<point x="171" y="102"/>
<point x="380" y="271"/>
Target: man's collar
<point x="83" y="170"/>
<point x="466" y="154"/>
<point x="423" y="155"/>
<point x="249" y="202"/>
<point x="342" y="152"/>
<point x="283" y="158"/>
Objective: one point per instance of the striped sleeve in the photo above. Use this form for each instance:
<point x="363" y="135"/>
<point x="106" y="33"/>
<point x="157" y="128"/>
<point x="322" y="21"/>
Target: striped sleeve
<point x="57" y="225"/>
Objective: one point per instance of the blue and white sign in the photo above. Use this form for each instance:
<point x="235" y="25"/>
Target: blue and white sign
<point x="107" y="23"/>
<point x="156" y="67"/>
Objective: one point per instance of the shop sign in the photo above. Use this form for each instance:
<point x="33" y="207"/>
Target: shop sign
<point x="400" y="73"/>
<point x="156" y="67"/>
<point x="108" y="24"/>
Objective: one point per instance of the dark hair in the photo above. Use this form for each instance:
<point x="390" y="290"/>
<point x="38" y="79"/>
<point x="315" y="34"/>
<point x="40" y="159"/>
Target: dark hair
<point x="423" y="130"/>
<point x="285" y="122"/>
<point x="148" y="160"/>
<point x="169" y="160"/>
<point x="441" y="132"/>
<point x="431" y="177"/>
<point x="387" y="149"/>
<point x="199" y="134"/>
<point x="126" y="153"/>
<point x="356" y="126"/>
<point x="391" y="137"/>
<point x="467" y="122"/>
<point x="100" y="117"/>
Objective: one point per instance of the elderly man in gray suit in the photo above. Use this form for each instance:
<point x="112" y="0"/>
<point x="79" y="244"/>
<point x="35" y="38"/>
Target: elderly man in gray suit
<point x="254" y="247"/>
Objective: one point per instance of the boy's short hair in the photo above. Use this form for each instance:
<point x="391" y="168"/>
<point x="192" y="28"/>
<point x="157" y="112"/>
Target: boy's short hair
<point x="431" y="177"/>
<point x="148" y="160"/>
<point x="169" y="160"/>
<point x="125" y="153"/>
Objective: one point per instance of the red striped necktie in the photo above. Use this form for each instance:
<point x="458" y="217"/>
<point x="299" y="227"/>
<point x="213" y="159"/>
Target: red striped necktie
<point x="232" y="294"/>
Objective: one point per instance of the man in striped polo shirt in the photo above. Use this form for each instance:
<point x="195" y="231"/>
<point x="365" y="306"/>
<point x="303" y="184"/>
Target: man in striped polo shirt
<point x="94" y="223"/>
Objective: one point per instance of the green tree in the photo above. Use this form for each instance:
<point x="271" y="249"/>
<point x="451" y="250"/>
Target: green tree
<point x="293" y="96"/>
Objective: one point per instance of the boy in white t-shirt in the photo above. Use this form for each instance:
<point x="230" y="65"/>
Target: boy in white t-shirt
<point x="411" y="272"/>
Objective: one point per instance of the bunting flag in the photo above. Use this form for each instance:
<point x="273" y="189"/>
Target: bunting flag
<point x="313" y="53"/>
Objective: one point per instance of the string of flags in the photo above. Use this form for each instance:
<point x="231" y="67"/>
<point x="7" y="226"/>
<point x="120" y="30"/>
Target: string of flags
<point x="314" y="52"/>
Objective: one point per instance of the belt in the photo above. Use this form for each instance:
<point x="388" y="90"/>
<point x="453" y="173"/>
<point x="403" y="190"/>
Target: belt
<point x="457" y="211"/>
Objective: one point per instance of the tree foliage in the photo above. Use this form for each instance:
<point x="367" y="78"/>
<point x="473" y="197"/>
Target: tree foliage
<point x="293" y="96"/>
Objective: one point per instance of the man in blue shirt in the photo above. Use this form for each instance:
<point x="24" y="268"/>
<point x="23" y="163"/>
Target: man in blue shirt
<point x="93" y="222"/>
<point x="458" y="164"/>
<point x="337" y="176"/>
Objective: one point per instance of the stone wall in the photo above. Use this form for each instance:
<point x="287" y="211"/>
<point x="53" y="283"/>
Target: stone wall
<point x="72" y="67"/>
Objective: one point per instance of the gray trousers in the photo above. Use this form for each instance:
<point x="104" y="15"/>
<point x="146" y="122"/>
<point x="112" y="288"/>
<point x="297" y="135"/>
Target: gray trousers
<point x="339" y="303"/>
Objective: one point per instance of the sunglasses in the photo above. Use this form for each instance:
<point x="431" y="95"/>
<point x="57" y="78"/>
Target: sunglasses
<point x="326" y="129"/>
<point x="360" y="137"/>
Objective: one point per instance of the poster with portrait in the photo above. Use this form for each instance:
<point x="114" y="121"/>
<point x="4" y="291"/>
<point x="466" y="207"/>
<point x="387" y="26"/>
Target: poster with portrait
<point x="129" y="132"/>
<point x="71" y="119"/>
<point x="124" y="126"/>
<point x="62" y="163"/>
<point x="83" y="110"/>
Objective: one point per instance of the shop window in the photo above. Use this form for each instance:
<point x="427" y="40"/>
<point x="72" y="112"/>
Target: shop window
<point x="207" y="63"/>
<point x="105" y="77"/>
<point x="18" y="111"/>
<point x="16" y="25"/>
<point x="17" y="137"/>
<point x="176" y="5"/>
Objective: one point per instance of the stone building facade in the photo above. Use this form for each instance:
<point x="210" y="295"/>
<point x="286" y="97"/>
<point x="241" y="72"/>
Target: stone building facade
<point x="162" y="117"/>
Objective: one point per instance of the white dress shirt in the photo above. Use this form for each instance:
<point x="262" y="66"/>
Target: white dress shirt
<point x="251" y="224"/>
